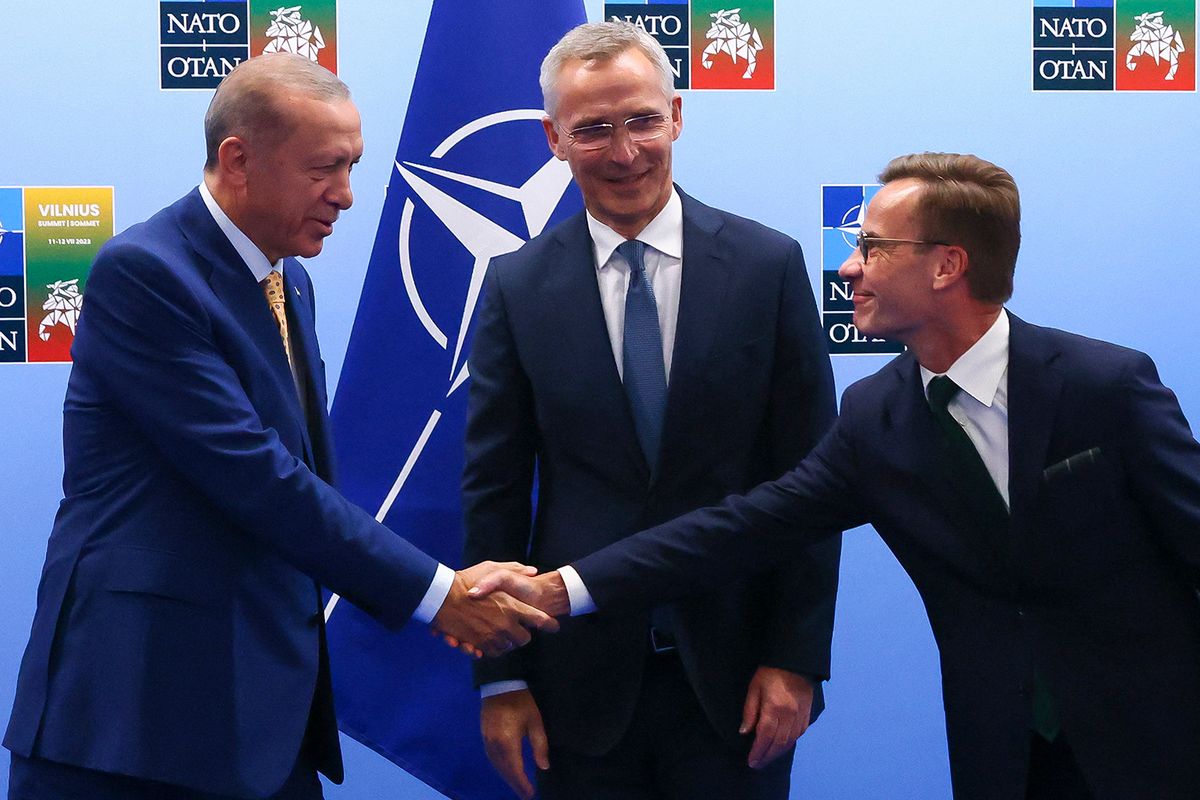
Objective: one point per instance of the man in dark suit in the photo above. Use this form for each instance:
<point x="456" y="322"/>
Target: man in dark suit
<point x="1041" y="489"/>
<point x="629" y="415"/>
<point x="178" y="647"/>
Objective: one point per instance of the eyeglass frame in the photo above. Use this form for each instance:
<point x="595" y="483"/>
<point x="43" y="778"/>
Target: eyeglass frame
<point x="612" y="128"/>
<point x="863" y="243"/>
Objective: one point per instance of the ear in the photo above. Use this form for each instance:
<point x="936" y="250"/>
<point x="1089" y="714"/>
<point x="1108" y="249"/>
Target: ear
<point x="676" y="117"/>
<point x="951" y="267"/>
<point x="233" y="161"/>
<point x="557" y="142"/>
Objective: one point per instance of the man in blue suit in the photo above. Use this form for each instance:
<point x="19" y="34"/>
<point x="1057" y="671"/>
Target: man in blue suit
<point x="1041" y="489"/>
<point x="635" y="393"/>
<point x="178" y="648"/>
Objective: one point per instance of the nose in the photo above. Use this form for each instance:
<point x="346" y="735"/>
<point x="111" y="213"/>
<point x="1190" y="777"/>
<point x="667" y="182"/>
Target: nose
<point x="339" y="193"/>
<point x="851" y="268"/>
<point x="622" y="149"/>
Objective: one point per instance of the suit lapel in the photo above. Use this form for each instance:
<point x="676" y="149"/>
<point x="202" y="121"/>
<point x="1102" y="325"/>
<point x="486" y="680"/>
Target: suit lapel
<point x="913" y="437"/>
<point x="236" y="288"/>
<point x="304" y="339"/>
<point x="704" y="281"/>
<point x="571" y="295"/>
<point x="1034" y="387"/>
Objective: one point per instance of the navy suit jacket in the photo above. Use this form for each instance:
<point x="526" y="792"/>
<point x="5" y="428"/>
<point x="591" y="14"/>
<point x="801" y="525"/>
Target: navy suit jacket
<point x="750" y="392"/>
<point x="1092" y="582"/>
<point x="178" y="634"/>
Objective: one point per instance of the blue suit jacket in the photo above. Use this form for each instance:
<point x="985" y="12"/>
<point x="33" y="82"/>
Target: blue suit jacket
<point x="178" y="634"/>
<point x="750" y="392"/>
<point x="1092" y="581"/>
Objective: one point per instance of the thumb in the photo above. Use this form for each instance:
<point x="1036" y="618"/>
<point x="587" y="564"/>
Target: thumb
<point x="750" y="708"/>
<point x="539" y="744"/>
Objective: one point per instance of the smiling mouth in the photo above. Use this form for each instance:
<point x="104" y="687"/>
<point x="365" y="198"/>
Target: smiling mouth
<point x="625" y="180"/>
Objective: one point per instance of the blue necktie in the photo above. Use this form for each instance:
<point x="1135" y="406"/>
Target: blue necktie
<point x="644" y="375"/>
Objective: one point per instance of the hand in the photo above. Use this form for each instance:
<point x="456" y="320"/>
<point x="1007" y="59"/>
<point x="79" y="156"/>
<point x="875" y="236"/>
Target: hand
<point x="777" y="709"/>
<point x="546" y="591"/>
<point x="491" y="626"/>
<point x="505" y="720"/>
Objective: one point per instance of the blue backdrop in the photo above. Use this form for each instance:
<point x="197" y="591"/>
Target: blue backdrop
<point x="1111" y="237"/>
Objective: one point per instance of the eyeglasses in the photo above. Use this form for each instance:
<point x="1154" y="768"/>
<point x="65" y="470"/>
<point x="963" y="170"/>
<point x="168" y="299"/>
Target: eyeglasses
<point x="640" y="129"/>
<point x="865" y="243"/>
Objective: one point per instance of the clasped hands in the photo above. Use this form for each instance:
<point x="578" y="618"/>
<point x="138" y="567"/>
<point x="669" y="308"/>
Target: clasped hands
<point x="493" y="607"/>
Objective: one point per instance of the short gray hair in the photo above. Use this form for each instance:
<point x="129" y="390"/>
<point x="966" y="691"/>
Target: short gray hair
<point x="244" y="104"/>
<point x="601" y="41"/>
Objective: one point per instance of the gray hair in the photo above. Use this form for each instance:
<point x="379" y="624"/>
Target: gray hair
<point x="601" y="41"/>
<point x="245" y="106"/>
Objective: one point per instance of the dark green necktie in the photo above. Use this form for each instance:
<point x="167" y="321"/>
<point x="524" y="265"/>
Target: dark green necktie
<point x="984" y="496"/>
<point x="979" y="487"/>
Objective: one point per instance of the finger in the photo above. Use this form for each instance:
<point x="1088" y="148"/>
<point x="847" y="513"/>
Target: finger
<point x="535" y="618"/>
<point x="506" y="757"/>
<point x="539" y="743"/>
<point x="783" y="740"/>
<point x="471" y="650"/>
<point x="763" y="739"/>
<point x="505" y="639"/>
<point x="517" y="567"/>
<point x="750" y="708"/>
<point x="495" y="581"/>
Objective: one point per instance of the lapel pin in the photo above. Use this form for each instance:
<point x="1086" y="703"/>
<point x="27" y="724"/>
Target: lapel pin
<point x="297" y="290"/>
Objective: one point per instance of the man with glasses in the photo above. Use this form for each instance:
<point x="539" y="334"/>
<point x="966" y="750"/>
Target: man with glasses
<point x="1041" y="489"/>
<point x="641" y="360"/>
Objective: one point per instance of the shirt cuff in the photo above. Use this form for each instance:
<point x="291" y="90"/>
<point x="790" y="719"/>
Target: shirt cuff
<point x="501" y="687"/>
<point x="435" y="595"/>
<point x="577" y="593"/>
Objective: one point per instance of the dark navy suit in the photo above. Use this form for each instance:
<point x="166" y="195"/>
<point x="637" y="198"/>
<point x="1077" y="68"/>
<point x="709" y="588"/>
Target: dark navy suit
<point x="178" y="634"/>
<point x="750" y="392"/>
<point x="1093" y="581"/>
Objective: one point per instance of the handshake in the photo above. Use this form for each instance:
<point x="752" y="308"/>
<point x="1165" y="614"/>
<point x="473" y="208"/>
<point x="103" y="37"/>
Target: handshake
<point x="493" y="607"/>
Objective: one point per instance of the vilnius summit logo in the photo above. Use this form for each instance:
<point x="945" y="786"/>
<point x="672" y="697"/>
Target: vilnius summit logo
<point x="1114" y="45"/>
<point x="201" y="42"/>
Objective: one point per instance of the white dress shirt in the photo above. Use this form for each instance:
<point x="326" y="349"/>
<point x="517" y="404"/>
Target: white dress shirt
<point x="260" y="267"/>
<point x="663" y="238"/>
<point x="981" y="408"/>
<point x="663" y="259"/>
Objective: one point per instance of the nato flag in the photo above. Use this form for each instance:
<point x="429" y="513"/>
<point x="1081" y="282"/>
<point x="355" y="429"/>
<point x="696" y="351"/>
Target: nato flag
<point x="473" y="178"/>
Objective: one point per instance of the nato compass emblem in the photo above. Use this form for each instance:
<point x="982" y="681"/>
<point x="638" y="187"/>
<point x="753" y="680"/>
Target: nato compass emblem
<point x="480" y="215"/>
<point x="484" y="239"/>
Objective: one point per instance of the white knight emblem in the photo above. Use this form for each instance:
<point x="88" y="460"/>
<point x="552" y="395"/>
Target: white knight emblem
<point x="292" y="33"/>
<point x="734" y="37"/>
<point x="64" y="304"/>
<point x="1157" y="40"/>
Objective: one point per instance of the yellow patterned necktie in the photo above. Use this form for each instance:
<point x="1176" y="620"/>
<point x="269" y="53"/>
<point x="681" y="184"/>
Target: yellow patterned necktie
<point x="273" y="289"/>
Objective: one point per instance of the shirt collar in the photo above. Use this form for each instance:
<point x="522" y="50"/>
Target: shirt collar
<point x="664" y="233"/>
<point x="259" y="266"/>
<point x="979" y="370"/>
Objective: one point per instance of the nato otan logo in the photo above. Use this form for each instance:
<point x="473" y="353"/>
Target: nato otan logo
<point x="710" y="45"/>
<point x="843" y="207"/>
<point x="1114" y="45"/>
<point x="201" y="42"/>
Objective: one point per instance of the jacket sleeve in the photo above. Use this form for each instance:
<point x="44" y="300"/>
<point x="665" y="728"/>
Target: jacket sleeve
<point x="1163" y="463"/>
<point x="154" y="348"/>
<point x="743" y="535"/>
